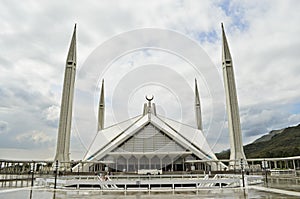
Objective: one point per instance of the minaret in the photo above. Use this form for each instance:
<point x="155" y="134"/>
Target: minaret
<point x="101" y="109"/>
<point x="236" y="144"/>
<point x="65" y="120"/>
<point x="198" y="107"/>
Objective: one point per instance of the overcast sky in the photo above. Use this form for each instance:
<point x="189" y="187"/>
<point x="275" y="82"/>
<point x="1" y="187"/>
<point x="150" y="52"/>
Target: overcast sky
<point x="140" y="48"/>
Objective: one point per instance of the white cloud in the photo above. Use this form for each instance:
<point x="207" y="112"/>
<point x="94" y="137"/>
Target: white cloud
<point x="294" y="119"/>
<point x="3" y="127"/>
<point x="36" y="137"/>
<point x="27" y="154"/>
<point x="51" y="113"/>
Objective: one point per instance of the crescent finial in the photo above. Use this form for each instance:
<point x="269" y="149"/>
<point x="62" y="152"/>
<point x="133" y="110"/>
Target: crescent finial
<point x="149" y="99"/>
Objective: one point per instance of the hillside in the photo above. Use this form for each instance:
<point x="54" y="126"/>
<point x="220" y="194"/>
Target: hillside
<point x="277" y="143"/>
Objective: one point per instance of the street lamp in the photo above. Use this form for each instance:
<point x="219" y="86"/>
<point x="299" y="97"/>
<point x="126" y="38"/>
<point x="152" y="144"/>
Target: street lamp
<point x="265" y="166"/>
<point x="242" y="170"/>
<point x="32" y="173"/>
<point x="56" y="171"/>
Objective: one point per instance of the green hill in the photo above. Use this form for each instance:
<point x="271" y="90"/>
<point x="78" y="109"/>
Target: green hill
<point x="278" y="143"/>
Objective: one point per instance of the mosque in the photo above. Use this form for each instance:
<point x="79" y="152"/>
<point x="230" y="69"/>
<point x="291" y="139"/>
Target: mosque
<point x="150" y="141"/>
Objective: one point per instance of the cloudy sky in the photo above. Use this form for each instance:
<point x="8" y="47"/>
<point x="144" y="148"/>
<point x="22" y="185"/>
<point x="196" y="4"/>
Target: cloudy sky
<point x="139" y="48"/>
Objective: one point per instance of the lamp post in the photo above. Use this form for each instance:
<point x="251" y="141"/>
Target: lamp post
<point x="78" y="168"/>
<point x="56" y="171"/>
<point x="266" y="172"/>
<point x="32" y="173"/>
<point x="242" y="170"/>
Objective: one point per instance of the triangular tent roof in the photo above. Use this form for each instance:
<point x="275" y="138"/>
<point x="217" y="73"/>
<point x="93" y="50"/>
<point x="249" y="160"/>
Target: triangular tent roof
<point x="110" y="138"/>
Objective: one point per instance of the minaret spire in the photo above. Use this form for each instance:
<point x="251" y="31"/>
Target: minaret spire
<point x="234" y="126"/>
<point x="225" y="48"/>
<point x="65" y="120"/>
<point x="72" y="50"/>
<point x="198" y="107"/>
<point x="101" y="108"/>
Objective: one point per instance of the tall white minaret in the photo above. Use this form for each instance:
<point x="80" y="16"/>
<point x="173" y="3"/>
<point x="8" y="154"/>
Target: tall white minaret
<point x="198" y="107"/>
<point x="65" y="120"/>
<point x="101" y="109"/>
<point x="234" y="126"/>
